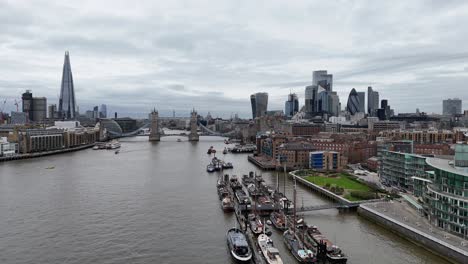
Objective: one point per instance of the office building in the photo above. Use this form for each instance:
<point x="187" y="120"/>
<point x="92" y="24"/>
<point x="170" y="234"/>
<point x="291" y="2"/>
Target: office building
<point x="325" y="160"/>
<point x="362" y="102"/>
<point x="253" y="103"/>
<point x="452" y="107"/>
<point x="319" y="98"/>
<point x="372" y="101"/>
<point x="35" y="108"/>
<point x="444" y="191"/>
<point x="322" y="78"/>
<point x="18" y="118"/>
<point x="96" y="112"/>
<point x="397" y="168"/>
<point x="291" y="105"/>
<point x="353" y="102"/>
<point x="67" y="104"/>
<point x="39" y="109"/>
<point x="259" y="102"/>
<point x="27" y="100"/>
<point x="310" y="94"/>
<point x="103" y="112"/>
<point x="53" y="114"/>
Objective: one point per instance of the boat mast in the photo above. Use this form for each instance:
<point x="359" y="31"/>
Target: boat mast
<point x="294" y="215"/>
<point x="284" y="180"/>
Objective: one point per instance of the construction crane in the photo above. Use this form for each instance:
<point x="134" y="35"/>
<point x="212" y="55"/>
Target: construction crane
<point x="17" y="105"/>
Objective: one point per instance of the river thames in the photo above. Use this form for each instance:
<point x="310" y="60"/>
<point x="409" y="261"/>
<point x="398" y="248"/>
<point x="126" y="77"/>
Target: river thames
<point x="152" y="203"/>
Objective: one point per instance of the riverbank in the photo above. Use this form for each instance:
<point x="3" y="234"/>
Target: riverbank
<point x="397" y="218"/>
<point x="45" y="153"/>
<point x="263" y="163"/>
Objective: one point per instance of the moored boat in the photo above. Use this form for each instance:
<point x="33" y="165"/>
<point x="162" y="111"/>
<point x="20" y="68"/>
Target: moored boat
<point x="238" y="246"/>
<point x="210" y="168"/>
<point x="269" y="252"/>
<point x="278" y="220"/>
<point x="227" y="165"/>
<point x="301" y="254"/>
<point x="210" y="150"/>
<point x="248" y="179"/>
<point x="242" y="197"/>
<point x="227" y="204"/>
<point x="334" y="253"/>
<point x="255" y="224"/>
<point x="234" y="183"/>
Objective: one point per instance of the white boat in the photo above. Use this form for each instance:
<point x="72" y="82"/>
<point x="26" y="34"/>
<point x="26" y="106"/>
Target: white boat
<point x="270" y="253"/>
<point x="96" y="147"/>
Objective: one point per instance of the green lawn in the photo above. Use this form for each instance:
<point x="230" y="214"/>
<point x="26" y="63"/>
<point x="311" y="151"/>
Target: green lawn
<point x="340" y="181"/>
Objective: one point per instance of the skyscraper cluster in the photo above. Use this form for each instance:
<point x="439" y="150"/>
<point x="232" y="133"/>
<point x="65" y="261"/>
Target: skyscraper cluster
<point x="259" y="102"/>
<point x="319" y="97"/>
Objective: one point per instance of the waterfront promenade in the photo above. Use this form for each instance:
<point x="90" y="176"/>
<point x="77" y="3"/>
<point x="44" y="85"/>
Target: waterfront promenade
<point x="44" y="153"/>
<point x="402" y="219"/>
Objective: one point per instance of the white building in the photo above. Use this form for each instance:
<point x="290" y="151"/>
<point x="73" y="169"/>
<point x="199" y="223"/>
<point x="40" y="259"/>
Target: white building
<point x="7" y="149"/>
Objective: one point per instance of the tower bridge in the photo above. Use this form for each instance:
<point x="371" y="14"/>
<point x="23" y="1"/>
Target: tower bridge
<point x="156" y="124"/>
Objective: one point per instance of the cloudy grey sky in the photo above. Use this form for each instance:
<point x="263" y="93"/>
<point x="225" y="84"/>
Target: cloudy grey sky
<point x="211" y="55"/>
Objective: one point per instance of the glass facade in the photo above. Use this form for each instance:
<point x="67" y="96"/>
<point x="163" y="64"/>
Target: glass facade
<point x="397" y="169"/>
<point x="446" y="197"/>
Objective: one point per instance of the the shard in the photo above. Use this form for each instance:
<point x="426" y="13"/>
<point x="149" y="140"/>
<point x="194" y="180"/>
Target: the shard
<point x="67" y="104"/>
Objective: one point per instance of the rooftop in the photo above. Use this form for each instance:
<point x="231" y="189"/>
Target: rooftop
<point x="445" y="165"/>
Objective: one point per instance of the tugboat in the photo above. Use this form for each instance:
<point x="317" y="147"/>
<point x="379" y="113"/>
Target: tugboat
<point x="210" y="168"/>
<point x="238" y="245"/>
<point x="270" y="253"/>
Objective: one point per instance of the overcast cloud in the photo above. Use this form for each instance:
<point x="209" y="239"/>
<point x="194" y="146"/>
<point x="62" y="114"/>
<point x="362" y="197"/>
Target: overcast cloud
<point x="211" y="55"/>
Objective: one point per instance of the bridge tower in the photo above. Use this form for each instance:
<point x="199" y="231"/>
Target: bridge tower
<point x="193" y="136"/>
<point x="154" y="134"/>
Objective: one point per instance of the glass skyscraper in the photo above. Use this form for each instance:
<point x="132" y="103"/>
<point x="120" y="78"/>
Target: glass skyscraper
<point x="259" y="102"/>
<point x="291" y="105"/>
<point x="372" y="101"/>
<point x="353" y="102"/>
<point x="452" y="106"/>
<point x="67" y="104"/>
